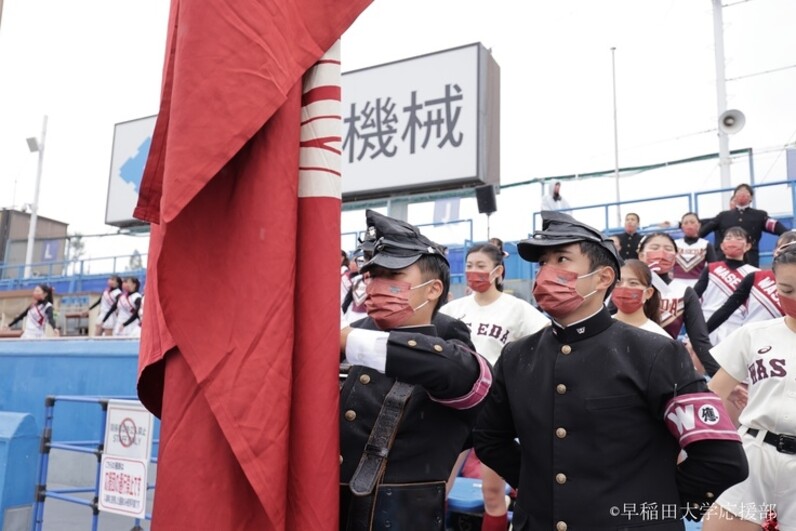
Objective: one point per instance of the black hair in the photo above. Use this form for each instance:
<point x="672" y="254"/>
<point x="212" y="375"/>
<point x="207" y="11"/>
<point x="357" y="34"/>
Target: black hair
<point x="652" y="308"/>
<point x="598" y="257"/>
<point x="638" y="219"/>
<point x="435" y="267"/>
<point x="785" y="237"/>
<point x="497" y="242"/>
<point x="682" y="218"/>
<point x="738" y="231"/>
<point x="495" y="254"/>
<point x="136" y="282"/>
<point x="647" y="238"/>
<point x="344" y="258"/>
<point x="48" y="292"/>
<point x="556" y="195"/>
<point x="744" y="185"/>
<point x="786" y="256"/>
<point x="117" y="279"/>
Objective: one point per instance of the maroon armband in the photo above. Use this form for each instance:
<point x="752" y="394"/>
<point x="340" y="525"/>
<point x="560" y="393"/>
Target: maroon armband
<point x="477" y="393"/>
<point x="699" y="417"/>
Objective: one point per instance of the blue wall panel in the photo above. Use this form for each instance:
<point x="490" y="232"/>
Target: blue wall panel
<point x="32" y="370"/>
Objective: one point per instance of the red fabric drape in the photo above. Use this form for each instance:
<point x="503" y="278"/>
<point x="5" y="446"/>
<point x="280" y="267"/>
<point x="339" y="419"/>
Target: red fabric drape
<point x="239" y="351"/>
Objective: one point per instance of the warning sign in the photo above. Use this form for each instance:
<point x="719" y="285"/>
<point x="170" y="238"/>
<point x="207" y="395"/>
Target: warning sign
<point x="123" y="486"/>
<point x="128" y="448"/>
<point x="128" y="430"/>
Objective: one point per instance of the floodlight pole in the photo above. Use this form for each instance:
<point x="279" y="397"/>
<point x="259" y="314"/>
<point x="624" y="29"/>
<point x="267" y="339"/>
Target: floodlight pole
<point x="39" y="144"/>
<point x="616" y="139"/>
<point x="721" y="93"/>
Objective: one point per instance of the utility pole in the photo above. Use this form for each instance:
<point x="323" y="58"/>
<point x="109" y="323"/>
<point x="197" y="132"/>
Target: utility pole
<point x="35" y="145"/>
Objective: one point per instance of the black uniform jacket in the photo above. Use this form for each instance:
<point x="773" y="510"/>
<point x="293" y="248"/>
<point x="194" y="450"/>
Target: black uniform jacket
<point x="431" y="434"/>
<point x="587" y="404"/>
<point x="752" y="220"/>
<point x="447" y="328"/>
<point x="629" y="245"/>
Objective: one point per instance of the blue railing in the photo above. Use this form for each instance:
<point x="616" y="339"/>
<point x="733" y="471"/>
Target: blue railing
<point x="94" y="447"/>
<point x="682" y="203"/>
<point x="69" y="276"/>
<point x="89" y="274"/>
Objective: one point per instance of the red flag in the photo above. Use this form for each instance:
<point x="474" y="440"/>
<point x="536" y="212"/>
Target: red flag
<point x="240" y="355"/>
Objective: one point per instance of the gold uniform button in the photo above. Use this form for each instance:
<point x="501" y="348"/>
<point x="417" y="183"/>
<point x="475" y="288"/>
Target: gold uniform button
<point x="561" y="433"/>
<point x="710" y="495"/>
<point x="350" y="415"/>
<point x="566" y="349"/>
<point x="561" y="526"/>
<point x="438" y="348"/>
<point x="561" y="389"/>
<point x="412" y="343"/>
<point x="364" y="379"/>
<point x="561" y="479"/>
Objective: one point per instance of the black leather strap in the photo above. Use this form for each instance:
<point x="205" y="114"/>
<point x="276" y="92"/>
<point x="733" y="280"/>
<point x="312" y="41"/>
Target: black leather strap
<point x="374" y="458"/>
<point x="785" y="444"/>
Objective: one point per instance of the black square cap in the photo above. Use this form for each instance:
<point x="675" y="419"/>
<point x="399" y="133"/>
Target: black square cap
<point x="398" y="244"/>
<point x="558" y="229"/>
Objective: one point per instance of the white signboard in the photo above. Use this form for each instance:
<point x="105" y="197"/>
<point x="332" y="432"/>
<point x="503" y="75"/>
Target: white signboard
<point x="424" y="123"/>
<point x="128" y="447"/>
<point x="123" y="486"/>
<point x="131" y="141"/>
<point x="418" y="123"/>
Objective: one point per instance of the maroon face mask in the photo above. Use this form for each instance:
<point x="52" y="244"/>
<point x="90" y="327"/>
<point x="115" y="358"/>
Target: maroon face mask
<point x="660" y="261"/>
<point x="554" y="290"/>
<point x="788" y="306"/>
<point x="628" y="300"/>
<point x="480" y="281"/>
<point x="388" y="302"/>
<point x="733" y="248"/>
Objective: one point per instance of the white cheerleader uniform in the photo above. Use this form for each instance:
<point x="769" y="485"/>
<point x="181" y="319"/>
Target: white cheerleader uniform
<point x="106" y="303"/>
<point x="507" y="319"/>
<point x="690" y="260"/>
<point x="36" y="321"/>
<point x="722" y="283"/>
<point x="126" y="308"/>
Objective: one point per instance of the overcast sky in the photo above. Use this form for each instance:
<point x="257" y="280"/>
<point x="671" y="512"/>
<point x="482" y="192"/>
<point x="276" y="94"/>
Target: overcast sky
<point x="93" y="63"/>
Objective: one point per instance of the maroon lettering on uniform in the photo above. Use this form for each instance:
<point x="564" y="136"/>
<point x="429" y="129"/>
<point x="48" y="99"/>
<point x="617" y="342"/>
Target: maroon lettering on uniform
<point x="505" y="337"/>
<point x="482" y="329"/>
<point x="762" y="369"/>
<point x="778" y="368"/>
<point x="729" y="276"/>
<point x="752" y="373"/>
<point x="762" y="372"/>
<point x="496" y="331"/>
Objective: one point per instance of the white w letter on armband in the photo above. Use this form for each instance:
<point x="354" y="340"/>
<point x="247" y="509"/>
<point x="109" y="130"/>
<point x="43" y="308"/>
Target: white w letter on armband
<point x="697" y="417"/>
<point x="683" y="418"/>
